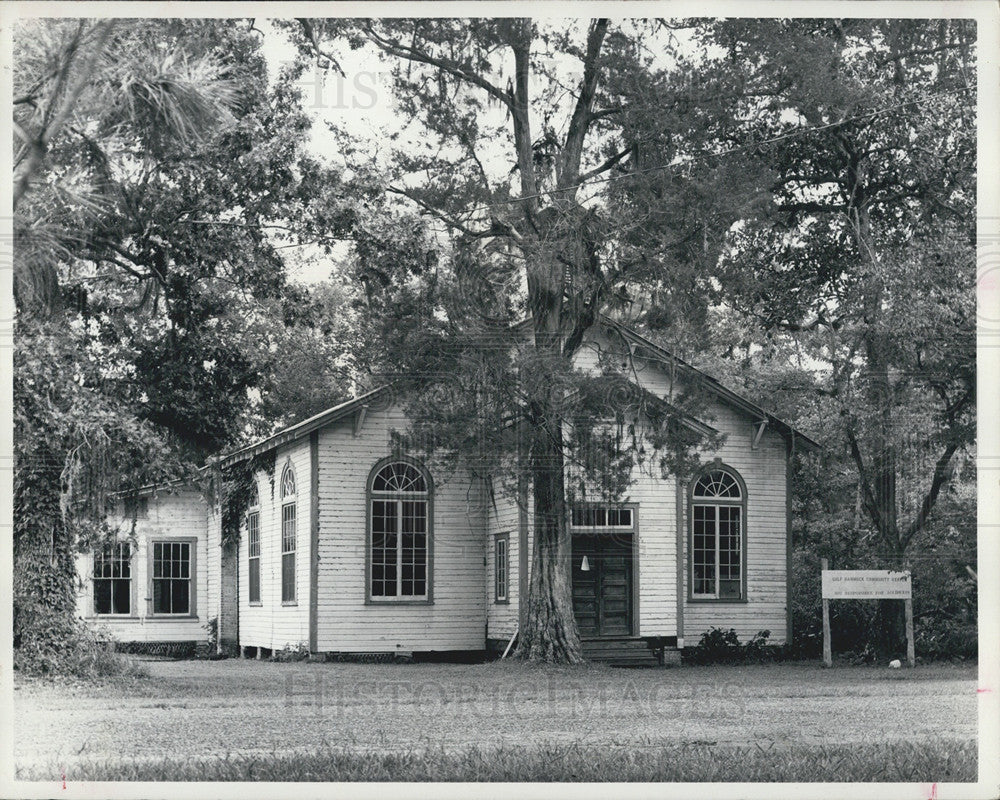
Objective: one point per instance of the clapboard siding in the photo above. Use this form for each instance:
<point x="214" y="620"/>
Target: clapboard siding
<point x="763" y="470"/>
<point x="272" y="624"/>
<point x="655" y="495"/>
<point x="213" y="561"/>
<point x="456" y="619"/>
<point x="171" y="513"/>
<point x="503" y="517"/>
<point x="657" y="551"/>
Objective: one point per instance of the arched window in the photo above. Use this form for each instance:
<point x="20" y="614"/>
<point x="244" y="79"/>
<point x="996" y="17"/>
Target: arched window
<point x="288" y="535"/>
<point x="253" y="545"/>
<point x="288" y="482"/>
<point x="399" y="532"/>
<point x="718" y="542"/>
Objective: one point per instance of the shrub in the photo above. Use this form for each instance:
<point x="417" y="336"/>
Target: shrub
<point x="210" y="647"/>
<point x="718" y="646"/>
<point x="62" y="646"/>
<point x="948" y="639"/>
<point x="299" y="652"/>
<point x="757" y="650"/>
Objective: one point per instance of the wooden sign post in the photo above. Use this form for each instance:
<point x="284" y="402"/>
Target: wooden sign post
<point x="827" y="648"/>
<point x="866" y="584"/>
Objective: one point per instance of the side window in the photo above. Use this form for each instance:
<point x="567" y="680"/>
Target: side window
<point x="173" y="577"/>
<point x="113" y="579"/>
<point x="399" y="535"/>
<point x="501" y="567"/>
<point x="718" y="516"/>
<point x="253" y="546"/>
<point x="288" y="535"/>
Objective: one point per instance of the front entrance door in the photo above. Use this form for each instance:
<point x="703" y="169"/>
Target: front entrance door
<point x="602" y="595"/>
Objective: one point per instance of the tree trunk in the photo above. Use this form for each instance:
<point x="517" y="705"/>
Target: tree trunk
<point x="550" y="633"/>
<point x="44" y="583"/>
<point x="889" y="621"/>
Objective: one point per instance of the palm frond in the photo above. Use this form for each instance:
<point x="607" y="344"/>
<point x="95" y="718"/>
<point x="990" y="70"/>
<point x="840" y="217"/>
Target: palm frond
<point x="173" y="97"/>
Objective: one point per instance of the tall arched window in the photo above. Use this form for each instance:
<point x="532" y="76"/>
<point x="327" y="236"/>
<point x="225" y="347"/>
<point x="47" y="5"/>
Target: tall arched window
<point x="399" y="532"/>
<point x="718" y="542"/>
<point x="253" y="545"/>
<point x="288" y="535"/>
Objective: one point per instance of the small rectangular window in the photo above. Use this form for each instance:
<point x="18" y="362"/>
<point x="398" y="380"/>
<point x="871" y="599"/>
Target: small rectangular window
<point x="253" y="551"/>
<point x="288" y="553"/>
<point x="601" y="517"/>
<point x="501" y="566"/>
<point x="113" y="579"/>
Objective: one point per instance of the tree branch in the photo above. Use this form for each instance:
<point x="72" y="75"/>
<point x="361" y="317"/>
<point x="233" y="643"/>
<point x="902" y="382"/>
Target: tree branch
<point x="869" y="498"/>
<point x="569" y="163"/>
<point x="39" y="144"/>
<point x="608" y="164"/>
<point x="447" y="219"/>
<point x="941" y="476"/>
<point x="923" y="52"/>
<point x="310" y="33"/>
<point x="412" y="53"/>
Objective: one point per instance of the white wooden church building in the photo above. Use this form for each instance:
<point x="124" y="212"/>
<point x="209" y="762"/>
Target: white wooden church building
<point x="350" y="547"/>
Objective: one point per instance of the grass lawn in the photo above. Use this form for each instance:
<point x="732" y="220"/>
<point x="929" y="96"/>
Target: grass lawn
<point x="246" y="720"/>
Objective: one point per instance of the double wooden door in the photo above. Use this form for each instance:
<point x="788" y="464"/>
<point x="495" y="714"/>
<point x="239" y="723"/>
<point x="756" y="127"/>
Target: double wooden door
<point x="602" y="594"/>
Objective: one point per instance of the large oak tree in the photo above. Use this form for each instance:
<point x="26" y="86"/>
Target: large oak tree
<point x="528" y="145"/>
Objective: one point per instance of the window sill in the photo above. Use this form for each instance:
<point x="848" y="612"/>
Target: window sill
<point x="501" y="602"/>
<point x="288" y="603"/>
<point x="421" y="602"/>
<point x="717" y="600"/>
<point x="111" y="617"/>
<point x="255" y="604"/>
<point x="170" y="617"/>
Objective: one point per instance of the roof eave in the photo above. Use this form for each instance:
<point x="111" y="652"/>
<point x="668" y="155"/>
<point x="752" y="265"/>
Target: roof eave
<point x="748" y="407"/>
<point x="300" y="429"/>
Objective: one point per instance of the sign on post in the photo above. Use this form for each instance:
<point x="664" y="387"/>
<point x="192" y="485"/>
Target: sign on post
<point x="866" y="584"/>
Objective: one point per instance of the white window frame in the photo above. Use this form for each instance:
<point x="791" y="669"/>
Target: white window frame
<point x="289" y="537"/>
<point x="426" y="497"/>
<point x="192" y="577"/>
<point x="99" y="556"/>
<point x="253" y="547"/>
<point x="715" y="503"/>
<point x="602" y="508"/>
<point x="501" y="566"/>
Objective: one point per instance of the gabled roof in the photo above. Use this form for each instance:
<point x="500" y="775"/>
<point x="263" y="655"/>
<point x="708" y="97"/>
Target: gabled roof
<point x="303" y="428"/>
<point x="349" y="407"/>
<point x="706" y="381"/>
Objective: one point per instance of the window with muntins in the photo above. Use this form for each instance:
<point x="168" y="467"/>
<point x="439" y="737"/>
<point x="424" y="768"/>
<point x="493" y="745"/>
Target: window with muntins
<point x="288" y="536"/>
<point x="113" y="579"/>
<point x="253" y="547"/>
<point x="588" y="516"/>
<point x="718" y="508"/>
<point x="501" y="566"/>
<point x="172" y="576"/>
<point x="399" y="512"/>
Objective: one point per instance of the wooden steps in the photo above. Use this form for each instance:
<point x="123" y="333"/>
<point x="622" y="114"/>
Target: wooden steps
<point x="623" y="651"/>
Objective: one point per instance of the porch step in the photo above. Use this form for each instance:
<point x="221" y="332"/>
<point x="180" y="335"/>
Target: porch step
<point x="626" y="651"/>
